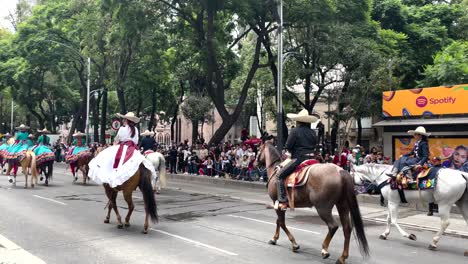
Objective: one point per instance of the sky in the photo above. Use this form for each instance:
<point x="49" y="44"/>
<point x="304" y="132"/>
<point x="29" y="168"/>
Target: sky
<point x="5" y="7"/>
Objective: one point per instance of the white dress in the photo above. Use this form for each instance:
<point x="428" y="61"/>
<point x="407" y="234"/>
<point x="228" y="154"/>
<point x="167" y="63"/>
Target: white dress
<point x="101" y="168"/>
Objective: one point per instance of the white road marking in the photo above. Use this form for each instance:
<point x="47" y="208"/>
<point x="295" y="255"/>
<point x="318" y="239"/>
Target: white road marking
<point x="138" y="197"/>
<point x="269" y="223"/>
<point x="50" y="200"/>
<point x="195" y="242"/>
<point x="12" y="253"/>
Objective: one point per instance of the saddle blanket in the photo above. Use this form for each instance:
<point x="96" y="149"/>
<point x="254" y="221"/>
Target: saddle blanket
<point x="299" y="176"/>
<point x="427" y="180"/>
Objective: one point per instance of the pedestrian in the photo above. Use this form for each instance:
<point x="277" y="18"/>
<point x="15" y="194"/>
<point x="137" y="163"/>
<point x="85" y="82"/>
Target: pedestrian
<point x="173" y="159"/>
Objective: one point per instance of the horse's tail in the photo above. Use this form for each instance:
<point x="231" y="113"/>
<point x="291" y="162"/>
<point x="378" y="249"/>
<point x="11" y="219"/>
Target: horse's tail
<point x="162" y="171"/>
<point x="148" y="195"/>
<point x="33" y="163"/>
<point x="355" y="212"/>
<point x="50" y="169"/>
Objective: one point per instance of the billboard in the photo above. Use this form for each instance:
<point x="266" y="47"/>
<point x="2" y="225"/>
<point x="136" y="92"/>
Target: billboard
<point x="442" y="100"/>
<point x="442" y="147"/>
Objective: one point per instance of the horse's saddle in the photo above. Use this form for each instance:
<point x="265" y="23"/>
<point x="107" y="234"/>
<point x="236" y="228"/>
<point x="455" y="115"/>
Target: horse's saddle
<point x="300" y="175"/>
<point x="149" y="151"/>
<point x="423" y="179"/>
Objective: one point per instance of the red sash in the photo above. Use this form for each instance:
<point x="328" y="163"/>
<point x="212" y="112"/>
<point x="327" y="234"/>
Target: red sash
<point x="131" y="148"/>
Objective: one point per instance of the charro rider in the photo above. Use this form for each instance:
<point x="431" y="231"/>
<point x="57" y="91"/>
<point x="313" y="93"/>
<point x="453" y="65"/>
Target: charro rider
<point x="301" y="143"/>
<point x="418" y="156"/>
<point x="78" y="149"/>
<point x="116" y="164"/>
<point x="41" y="148"/>
<point x="43" y="139"/>
<point x="148" y="142"/>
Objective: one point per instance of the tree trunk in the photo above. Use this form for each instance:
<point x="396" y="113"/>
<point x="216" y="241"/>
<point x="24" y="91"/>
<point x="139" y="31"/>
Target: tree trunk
<point x="103" y="116"/>
<point x="226" y="125"/>
<point x="194" y="131"/>
<point x="96" y="119"/>
<point x="121" y="97"/>
<point x="359" y="132"/>
<point x="151" y="123"/>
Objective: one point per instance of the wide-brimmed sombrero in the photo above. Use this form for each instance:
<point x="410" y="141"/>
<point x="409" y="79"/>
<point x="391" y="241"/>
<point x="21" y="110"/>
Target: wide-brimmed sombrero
<point x="22" y="127"/>
<point x="419" y="130"/>
<point x="303" y="116"/>
<point x="31" y="136"/>
<point x="6" y="135"/>
<point x="147" y="133"/>
<point x="79" y="134"/>
<point x="130" y="116"/>
<point x="44" y="131"/>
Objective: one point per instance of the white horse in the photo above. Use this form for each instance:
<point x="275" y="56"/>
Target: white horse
<point x="159" y="163"/>
<point x="451" y="188"/>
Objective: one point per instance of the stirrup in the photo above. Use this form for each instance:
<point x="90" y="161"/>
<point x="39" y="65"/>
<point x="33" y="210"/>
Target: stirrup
<point x="277" y="206"/>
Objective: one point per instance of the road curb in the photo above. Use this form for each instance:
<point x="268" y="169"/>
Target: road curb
<point x="237" y="184"/>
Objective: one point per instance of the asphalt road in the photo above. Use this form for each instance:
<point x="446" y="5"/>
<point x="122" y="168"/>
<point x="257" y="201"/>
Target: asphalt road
<point x="63" y="223"/>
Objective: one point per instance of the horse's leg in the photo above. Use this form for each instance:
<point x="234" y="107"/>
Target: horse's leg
<point x="128" y="198"/>
<point x="25" y="172"/>
<point x="277" y="232"/>
<point x="393" y="208"/>
<point x="444" y="212"/>
<point x="110" y="206"/>
<point x="387" y="230"/>
<point x="346" y="225"/>
<point x="326" y="216"/>
<point x="282" y="220"/>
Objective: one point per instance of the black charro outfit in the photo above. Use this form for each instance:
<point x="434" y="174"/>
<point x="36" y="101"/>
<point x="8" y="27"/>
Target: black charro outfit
<point x="301" y="143"/>
<point x="418" y="156"/>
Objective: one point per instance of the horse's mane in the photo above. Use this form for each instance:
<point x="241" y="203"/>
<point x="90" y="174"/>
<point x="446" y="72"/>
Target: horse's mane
<point x="371" y="166"/>
<point x="274" y="153"/>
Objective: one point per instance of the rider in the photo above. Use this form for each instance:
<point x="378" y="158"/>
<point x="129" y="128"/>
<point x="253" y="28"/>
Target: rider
<point x="43" y="139"/>
<point x="42" y="150"/>
<point x="16" y="152"/>
<point x="148" y="142"/>
<point x="116" y="164"/>
<point x="79" y="148"/>
<point x="301" y="143"/>
<point x="418" y="156"/>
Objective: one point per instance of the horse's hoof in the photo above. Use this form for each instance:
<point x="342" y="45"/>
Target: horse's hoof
<point x="106" y="221"/>
<point x="144" y="232"/>
<point x="272" y="242"/>
<point x="25" y="187"/>
<point x="466" y="253"/>
<point x="383" y="237"/>
<point x="325" y="255"/>
<point x="339" y="261"/>
<point x="127" y="224"/>
<point x="10" y="180"/>
<point x="120" y="226"/>
<point x="431" y="247"/>
<point x="42" y="178"/>
<point x="412" y="237"/>
<point x="295" y="248"/>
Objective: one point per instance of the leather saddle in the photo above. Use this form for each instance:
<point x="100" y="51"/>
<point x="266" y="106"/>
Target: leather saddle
<point x="405" y="180"/>
<point x="300" y="175"/>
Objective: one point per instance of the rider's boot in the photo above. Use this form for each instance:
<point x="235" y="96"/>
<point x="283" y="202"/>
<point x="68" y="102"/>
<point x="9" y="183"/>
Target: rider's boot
<point x="393" y="173"/>
<point x="15" y="169"/>
<point x="282" y="197"/>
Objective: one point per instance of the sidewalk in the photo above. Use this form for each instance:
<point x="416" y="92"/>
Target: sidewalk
<point x="12" y="253"/>
<point x="411" y="216"/>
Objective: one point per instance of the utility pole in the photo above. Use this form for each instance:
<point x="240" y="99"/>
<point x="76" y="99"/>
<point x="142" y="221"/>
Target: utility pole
<point x="279" y="117"/>
<point x="87" y="100"/>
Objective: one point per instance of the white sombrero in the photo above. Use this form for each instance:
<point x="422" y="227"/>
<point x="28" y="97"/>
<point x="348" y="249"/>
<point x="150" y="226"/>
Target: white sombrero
<point x="147" y="133"/>
<point x="22" y="127"/>
<point x="303" y="116"/>
<point x="79" y="134"/>
<point x="419" y="130"/>
<point x="130" y="116"/>
<point x="44" y="131"/>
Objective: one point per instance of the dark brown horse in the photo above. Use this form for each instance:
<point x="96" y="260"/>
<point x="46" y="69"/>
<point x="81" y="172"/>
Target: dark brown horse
<point x="328" y="185"/>
<point x="81" y="164"/>
<point x="141" y="179"/>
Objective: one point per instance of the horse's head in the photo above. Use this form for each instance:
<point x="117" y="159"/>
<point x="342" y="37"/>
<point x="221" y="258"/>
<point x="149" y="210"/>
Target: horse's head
<point x="261" y="155"/>
<point x="368" y="173"/>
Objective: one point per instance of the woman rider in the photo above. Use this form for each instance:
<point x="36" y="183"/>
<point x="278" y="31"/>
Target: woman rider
<point x="42" y="150"/>
<point x="16" y="152"/>
<point x="116" y="164"/>
<point x="418" y="156"/>
<point x="301" y="143"/>
<point x="77" y="150"/>
<point x="3" y="148"/>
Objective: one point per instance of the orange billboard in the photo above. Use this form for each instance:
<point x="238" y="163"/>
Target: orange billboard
<point x="438" y="147"/>
<point x="442" y="100"/>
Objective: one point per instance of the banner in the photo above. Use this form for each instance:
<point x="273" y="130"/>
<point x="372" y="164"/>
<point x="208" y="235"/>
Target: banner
<point x="443" y="148"/>
<point x="426" y="101"/>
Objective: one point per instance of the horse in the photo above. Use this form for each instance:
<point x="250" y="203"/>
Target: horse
<point x="451" y="188"/>
<point x="159" y="163"/>
<point x="81" y="164"/>
<point x="28" y="163"/>
<point x="327" y="185"/>
<point x="47" y="169"/>
<point x="141" y="179"/>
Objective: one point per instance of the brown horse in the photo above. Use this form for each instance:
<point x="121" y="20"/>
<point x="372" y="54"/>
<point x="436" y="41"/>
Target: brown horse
<point x="141" y="179"/>
<point x="328" y="185"/>
<point x="28" y="165"/>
